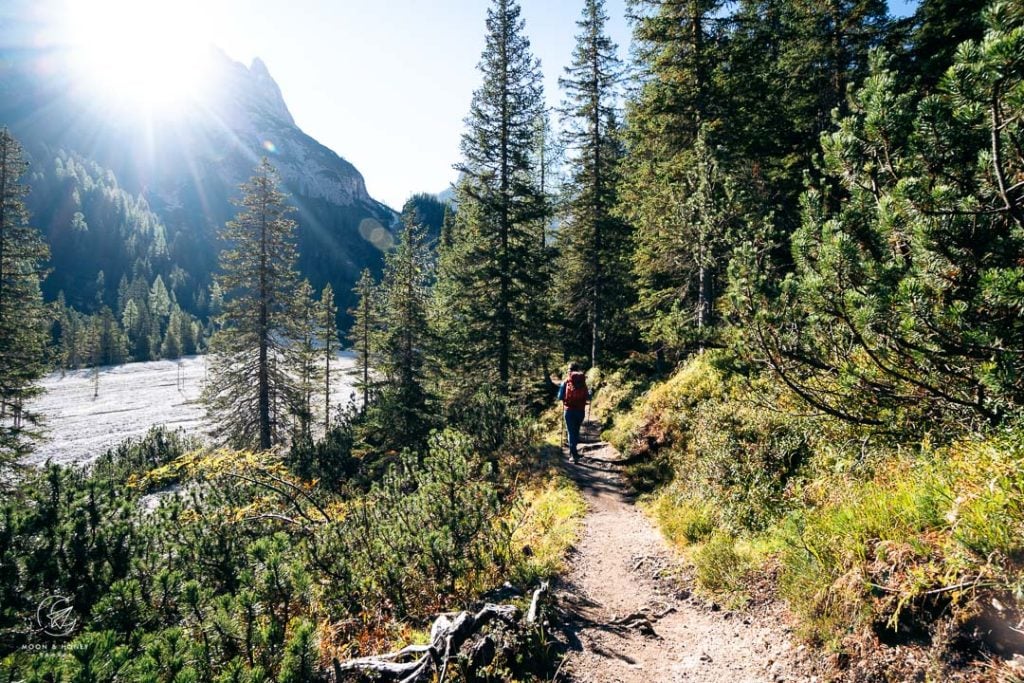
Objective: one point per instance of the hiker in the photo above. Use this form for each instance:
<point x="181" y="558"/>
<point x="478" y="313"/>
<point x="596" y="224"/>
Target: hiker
<point x="574" y="397"/>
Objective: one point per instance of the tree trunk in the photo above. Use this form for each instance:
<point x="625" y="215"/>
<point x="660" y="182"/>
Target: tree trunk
<point x="262" y="372"/>
<point x="504" y="314"/>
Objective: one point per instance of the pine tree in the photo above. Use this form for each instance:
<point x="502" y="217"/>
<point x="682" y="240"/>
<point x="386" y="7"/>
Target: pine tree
<point x="22" y="314"/>
<point x="250" y="392"/>
<point x="670" y="134"/>
<point x="159" y="298"/>
<point x="327" y="340"/>
<point x="363" y="333"/>
<point x="304" y="353"/>
<point x="171" y="347"/>
<point x="111" y="345"/>
<point x="404" y="340"/>
<point x="494" y="276"/>
<point x="903" y="310"/>
<point x="592" y="273"/>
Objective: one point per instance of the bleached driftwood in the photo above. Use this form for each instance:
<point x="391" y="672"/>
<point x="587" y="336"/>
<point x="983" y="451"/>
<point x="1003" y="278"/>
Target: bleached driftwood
<point x="447" y="636"/>
<point x="531" y="616"/>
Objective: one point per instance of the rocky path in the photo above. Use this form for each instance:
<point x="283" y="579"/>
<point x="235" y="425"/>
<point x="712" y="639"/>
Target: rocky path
<point x="633" y="618"/>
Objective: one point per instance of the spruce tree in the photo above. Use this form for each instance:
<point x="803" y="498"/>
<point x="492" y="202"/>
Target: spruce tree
<point x="304" y="354"/>
<point x="327" y="340"/>
<point x="363" y="333"/>
<point x="494" y="275"/>
<point x="592" y="273"/>
<point x="672" y="122"/>
<point x="23" y="317"/>
<point x="405" y="338"/>
<point x="250" y="391"/>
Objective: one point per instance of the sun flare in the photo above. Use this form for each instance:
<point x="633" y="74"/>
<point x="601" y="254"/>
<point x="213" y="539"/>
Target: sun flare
<point x="149" y="53"/>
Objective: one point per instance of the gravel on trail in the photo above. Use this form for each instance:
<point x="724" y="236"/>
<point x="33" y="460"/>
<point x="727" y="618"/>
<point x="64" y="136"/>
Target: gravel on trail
<point x="633" y="618"/>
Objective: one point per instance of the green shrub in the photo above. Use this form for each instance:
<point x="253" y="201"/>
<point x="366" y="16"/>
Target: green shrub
<point x="684" y="521"/>
<point x="743" y="457"/>
<point x="947" y="525"/>
<point x="718" y="566"/>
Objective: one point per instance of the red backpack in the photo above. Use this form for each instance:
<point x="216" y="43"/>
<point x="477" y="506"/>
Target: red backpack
<point x="576" y="394"/>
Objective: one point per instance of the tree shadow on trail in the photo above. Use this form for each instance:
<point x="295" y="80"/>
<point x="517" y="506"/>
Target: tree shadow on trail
<point x="599" y="470"/>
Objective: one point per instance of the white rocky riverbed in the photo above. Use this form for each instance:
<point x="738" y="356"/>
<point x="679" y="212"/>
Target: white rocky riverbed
<point x="80" y="425"/>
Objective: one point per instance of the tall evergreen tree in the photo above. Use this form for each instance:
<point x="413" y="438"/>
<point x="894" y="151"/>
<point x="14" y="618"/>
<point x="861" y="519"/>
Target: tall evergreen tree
<point x="251" y="392"/>
<point x="305" y="357"/>
<point x="592" y="273"/>
<point x="495" y="266"/>
<point x="363" y="333"/>
<point x="327" y="341"/>
<point x="405" y="337"/>
<point x="784" y="67"/>
<point x="23" y="317"/>
<point x="672" y="122"/>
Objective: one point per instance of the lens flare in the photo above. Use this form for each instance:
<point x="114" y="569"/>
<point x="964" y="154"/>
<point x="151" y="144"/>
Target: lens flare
<point x="376" y="234"/>
<point x="149" y="53"/>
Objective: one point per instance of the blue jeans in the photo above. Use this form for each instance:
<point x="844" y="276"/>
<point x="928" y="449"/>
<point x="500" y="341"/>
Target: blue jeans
<point x="573" y="422"/>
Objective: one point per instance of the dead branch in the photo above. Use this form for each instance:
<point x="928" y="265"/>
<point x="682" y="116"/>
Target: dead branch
<point x="447" y="636"/>
<point x="531" y="616"/>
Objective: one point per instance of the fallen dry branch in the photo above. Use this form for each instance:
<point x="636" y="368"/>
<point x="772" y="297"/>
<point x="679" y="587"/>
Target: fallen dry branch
<point x="448" y="635"/>
<point x="531" y="616"/>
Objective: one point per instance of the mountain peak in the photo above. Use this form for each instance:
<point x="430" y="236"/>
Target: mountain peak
<point x="259" y="68"/>
<point x="269" y="92"/>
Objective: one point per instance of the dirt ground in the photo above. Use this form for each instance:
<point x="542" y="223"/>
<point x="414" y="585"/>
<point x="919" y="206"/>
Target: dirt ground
<point x="633" y="617"/>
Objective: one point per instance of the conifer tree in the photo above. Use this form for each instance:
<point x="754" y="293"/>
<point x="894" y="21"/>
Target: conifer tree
<point x="303" y="334"/>
<point x="251" y="392"/>
<point x="171" y="347"/>
<point x="22" y="314"/>
<point x="363" y="333"/>
<point x="903" y="310"/>
<point x="404" y="340"/>
<point x="494" y="277"/>
<point x="159" y="298"/>
<point x="592" y="273"/>
<point x="327" y="340"/>
<point x="939" y="27"/>
<point x="676" y="108"/>
<point x="111" y="344"/>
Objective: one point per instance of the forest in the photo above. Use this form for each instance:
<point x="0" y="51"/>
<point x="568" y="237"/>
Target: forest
<point x="785" y="237"/>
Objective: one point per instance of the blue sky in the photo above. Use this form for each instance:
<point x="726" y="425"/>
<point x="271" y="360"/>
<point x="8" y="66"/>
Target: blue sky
<point x="385" y="83"/>
<point x="388" y="84"/>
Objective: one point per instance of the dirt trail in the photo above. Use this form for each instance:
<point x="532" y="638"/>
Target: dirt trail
<point x="634" y="619"/>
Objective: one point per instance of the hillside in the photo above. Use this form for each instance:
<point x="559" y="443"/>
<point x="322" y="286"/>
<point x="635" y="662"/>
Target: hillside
<point x="725" y="383"/>
<point x="132" y="192"/>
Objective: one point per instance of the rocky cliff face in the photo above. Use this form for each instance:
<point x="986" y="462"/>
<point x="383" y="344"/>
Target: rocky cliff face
<point x="249" y="101"/>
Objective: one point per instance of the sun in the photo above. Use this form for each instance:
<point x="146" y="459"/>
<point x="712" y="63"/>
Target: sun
<point x="147" y="53"/>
